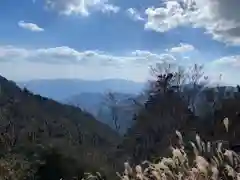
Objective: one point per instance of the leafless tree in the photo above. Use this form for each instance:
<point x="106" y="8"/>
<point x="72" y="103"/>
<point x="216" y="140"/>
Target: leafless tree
<point x="178" y="73"/>
<point x="112" y="103"/>
<point x="197" y="82"/>
<point x="128" y="106"/>
<point x="193" y="77"/>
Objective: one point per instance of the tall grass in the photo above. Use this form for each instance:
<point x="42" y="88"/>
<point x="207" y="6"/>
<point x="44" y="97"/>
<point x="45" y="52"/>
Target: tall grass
<point x="208" y="161"/>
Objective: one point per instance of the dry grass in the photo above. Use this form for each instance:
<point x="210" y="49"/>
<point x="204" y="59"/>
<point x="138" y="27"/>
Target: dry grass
<point x="208" y="162"/>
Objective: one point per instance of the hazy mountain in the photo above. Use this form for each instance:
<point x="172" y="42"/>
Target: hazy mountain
<point x="95" y="103"/>
<point x="90" y="102"/>
<point x="61" y="89"/>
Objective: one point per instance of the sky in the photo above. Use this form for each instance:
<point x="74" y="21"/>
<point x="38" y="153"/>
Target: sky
<point x="102" y="39"/>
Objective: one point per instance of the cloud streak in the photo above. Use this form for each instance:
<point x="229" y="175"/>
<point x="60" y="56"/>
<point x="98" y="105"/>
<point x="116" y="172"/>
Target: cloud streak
<point x="182" y="48"/>
<point x="228" y="61"/>
<point x="30" y="26"/>
<point x="134" y="64"/>
<point x="134" y="14"/>
<point x="67" y="55"/>
<point x="66" y="62"/>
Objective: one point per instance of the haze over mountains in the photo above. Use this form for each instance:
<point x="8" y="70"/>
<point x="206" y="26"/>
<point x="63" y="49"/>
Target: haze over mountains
<point x="89" y="95"/>
<point x="103" y="108"/>
<point x="62" y="89"/>
<point x="32" y="120"/>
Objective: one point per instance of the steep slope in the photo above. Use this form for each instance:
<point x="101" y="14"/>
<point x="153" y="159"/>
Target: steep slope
<point x="90" y="102"/>
<point x="28" y="121"/>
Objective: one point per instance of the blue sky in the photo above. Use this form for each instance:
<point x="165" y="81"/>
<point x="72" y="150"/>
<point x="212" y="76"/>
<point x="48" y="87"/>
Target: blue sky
<point x="96" y="39"/>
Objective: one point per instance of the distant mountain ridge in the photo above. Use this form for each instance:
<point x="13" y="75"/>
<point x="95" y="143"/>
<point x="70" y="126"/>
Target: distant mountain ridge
<point x="61" y="89"/>
<point x="95" y="103"/>
<point x="87" y="95"/>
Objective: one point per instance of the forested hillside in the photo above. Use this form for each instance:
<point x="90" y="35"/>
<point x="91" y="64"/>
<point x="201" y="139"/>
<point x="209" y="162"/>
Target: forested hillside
<point x="52" y="141"/>
<point x="48" y="139"/>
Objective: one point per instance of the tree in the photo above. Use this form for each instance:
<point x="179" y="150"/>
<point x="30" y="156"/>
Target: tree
<point x="197" y="82"/>
<point x="178" y="75"/>
<point x="112" y="104"/>
<point x="164" y="111"/>
<point x="122" y="108"/>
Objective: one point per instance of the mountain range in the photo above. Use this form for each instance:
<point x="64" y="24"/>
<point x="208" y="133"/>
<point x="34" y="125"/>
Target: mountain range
<point x="90" y="96"/>
<point x="97" y="105"/>
<point x="62" y="89"/>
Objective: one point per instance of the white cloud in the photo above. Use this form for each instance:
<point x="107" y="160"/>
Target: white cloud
<point x="65" y="62"/>
<point x="134" y="14"/>
<point x="220" y="18"/>
<point x="67" y="55"/>
<point x="81" y="7"/>
<point x="169" y="16"/>
<point x="227" y="67"/>
<point x="145" y="56"/>
<point x="228" y="61"/>
<point x="30" y="26"/>
<point x="182" y="48"/>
